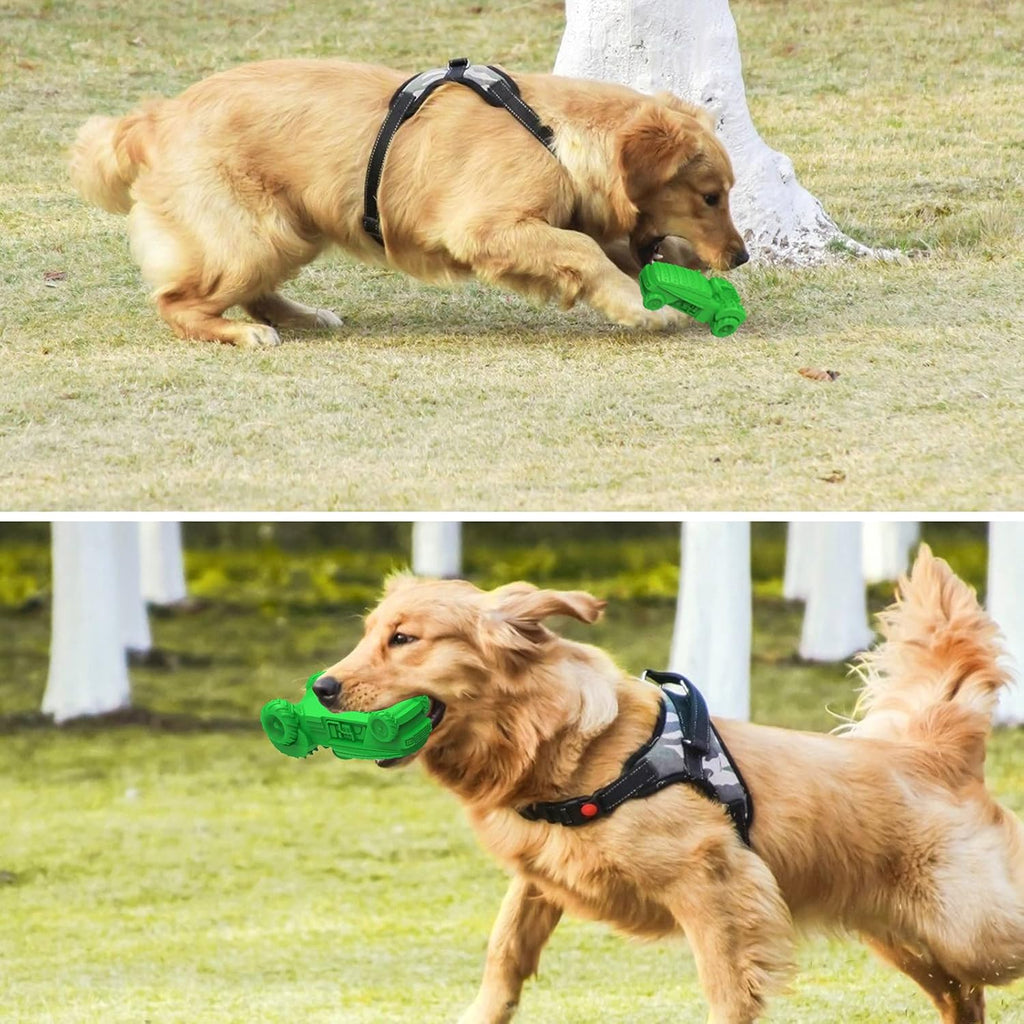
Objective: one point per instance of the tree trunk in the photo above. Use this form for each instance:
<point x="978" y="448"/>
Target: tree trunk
<point x="88" y="669"/>
<point x="835" y="619"/>
<point x="690" y="48"/>
<point x="1006" y="606"/>
<point x="796" y="582"/>
<point x="132" y="613"/>
<point x="887" y="549"/>
<point x="711" y="640"/>
<point x="162" y="563"/>
<point x="437" y="549"/>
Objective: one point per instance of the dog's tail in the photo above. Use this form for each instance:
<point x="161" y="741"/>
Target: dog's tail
<point x="937" y="675"/>
<point x="107" y="155"/>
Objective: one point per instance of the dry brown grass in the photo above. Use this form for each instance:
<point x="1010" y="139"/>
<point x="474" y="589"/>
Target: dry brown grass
<point x="900" y="117"/>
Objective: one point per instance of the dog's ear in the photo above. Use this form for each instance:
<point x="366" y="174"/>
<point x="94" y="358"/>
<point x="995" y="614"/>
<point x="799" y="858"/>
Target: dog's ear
<point x="673" y="102"/>
<point x="653" y="145"/>
<point x="512" y="623"/>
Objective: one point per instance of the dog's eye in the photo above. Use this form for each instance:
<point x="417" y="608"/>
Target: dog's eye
<point x="711" y="198"/>
<point x="397" y="639"/>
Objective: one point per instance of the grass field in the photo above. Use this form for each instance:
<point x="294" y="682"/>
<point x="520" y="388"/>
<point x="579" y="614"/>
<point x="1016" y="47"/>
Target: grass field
<point x="902" y="117"/>
<point x="169" y="866"/>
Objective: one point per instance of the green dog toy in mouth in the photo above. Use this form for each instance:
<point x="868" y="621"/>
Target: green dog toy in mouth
<point x="712" y="301"/>
<point x="298" y="728"/>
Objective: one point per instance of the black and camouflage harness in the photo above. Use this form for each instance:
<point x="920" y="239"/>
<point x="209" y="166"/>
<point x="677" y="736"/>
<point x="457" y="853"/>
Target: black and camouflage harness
<point x="684" y="747"/>
<point x="490" y="83"/>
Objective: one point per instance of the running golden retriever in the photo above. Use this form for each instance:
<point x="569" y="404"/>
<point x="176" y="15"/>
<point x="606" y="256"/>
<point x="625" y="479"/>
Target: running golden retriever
<point x="887" y="831"/>
<point x="248" y="175"/>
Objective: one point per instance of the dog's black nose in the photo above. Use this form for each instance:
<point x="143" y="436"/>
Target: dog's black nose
<point x="739" y="258"/>
<point x="326" y="688"/>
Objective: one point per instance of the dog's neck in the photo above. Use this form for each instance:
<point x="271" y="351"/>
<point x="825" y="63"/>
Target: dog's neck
<point x="602" y="209"/>
<point x="542" y="748"/>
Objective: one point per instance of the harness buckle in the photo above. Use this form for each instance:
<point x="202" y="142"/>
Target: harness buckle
<point x="459" y="62"/>
<point x="581" y="810"/>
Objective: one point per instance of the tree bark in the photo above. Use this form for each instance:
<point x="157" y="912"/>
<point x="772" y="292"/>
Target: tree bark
<point x="162" y="563"/>
<point x="835" y="619"/>
<point x="88" y="672"/>
<point x="132" y="612"/>
<point x="437" y="549"/>
<point x="796" y="583"/>
<point x="711" y="639"/>
<point x="1006" y="606"/>
<point x="887" y="549"/>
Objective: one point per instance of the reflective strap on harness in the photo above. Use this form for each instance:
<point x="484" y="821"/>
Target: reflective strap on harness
<point x="684" y="747"/>
<point x="486" y="81"/>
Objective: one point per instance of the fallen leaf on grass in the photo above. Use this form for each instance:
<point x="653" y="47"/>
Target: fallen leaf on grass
<point x="813" y="373"/>
<point x="51" y="277"/>
<point x="837" y="476"/>
<point x="27" y="65"/>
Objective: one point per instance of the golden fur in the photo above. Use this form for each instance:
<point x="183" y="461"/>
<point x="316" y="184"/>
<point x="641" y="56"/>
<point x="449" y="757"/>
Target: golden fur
<point x="887" y="831"/>
<point x="248" y="175"/>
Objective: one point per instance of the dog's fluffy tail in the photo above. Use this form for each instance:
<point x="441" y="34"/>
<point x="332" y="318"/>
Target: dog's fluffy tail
<point x="107" y="155"/>
<point x="936" y="678"/>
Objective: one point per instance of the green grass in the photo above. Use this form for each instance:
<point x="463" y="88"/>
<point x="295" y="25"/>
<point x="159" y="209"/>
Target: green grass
<point x="900" y="117"/>
<point x="170" y="866"/>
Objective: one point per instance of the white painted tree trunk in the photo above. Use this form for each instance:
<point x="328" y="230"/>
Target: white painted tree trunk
<point x="131" y="605"/>
<point x="887" y="548"/>
<point x="711" y="639"/>
<point x="691" y="48"/>
<point x="437" y="549"/>
<point x="163" y="563"/>
<point x="835" y="619"/>
<point x="796" y="583"/>
<point x="1006" y="606"/>
<point x="88" y="669"/>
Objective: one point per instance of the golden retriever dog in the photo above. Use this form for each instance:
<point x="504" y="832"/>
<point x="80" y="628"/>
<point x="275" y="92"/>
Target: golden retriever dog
<point x="246" y="176"/>
<point x="887" y="831"/>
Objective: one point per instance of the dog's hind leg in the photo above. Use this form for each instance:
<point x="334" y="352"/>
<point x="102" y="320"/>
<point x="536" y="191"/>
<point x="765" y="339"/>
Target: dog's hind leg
<point x="206" y="252"/>
<point x="276" y="310"/>
<point x="738" y="927"/>
<point x="191" y="289"/>
<point x="956" y="1001"/>
<point x="524" y="923"/>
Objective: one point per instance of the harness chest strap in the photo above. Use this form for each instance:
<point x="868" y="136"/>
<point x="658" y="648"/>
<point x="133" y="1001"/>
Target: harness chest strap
<point x="685" y="747"/>
<point x="490" y="83"/>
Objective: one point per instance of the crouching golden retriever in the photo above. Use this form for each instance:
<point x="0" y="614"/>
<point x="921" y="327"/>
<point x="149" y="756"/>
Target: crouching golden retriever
<point x="887" y="831"/>
<point x="234" y="185"/>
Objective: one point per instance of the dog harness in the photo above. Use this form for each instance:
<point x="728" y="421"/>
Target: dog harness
<point x="487" y="81"/>
<point x="685" y="747"/>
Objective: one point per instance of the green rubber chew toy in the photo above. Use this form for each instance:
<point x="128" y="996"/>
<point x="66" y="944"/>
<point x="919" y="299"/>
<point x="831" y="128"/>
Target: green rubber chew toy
<point x="712" y="301"/>
<point x="298" y="728"/>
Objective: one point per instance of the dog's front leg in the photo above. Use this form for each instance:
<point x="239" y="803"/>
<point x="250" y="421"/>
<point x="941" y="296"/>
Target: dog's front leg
<point x="525" y="921"/>
<point x="545" y="262"/>
<point x="738" y="927"/>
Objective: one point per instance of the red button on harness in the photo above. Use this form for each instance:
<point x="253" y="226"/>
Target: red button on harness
<point x="588" y="810"/>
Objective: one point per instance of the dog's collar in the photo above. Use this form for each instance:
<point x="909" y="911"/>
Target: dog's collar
<point x="684" y="747"/>
<point x="487" y="81"/>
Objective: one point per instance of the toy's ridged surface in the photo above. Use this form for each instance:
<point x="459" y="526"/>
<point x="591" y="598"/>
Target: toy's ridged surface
<point x="297" y="729"/>
<point x="712" y="301"/>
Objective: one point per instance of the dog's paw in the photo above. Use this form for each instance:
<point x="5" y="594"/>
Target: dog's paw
<point x="326" y="320"/>
<point x="664" y="319"/>
<point x="257" y="336"/>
